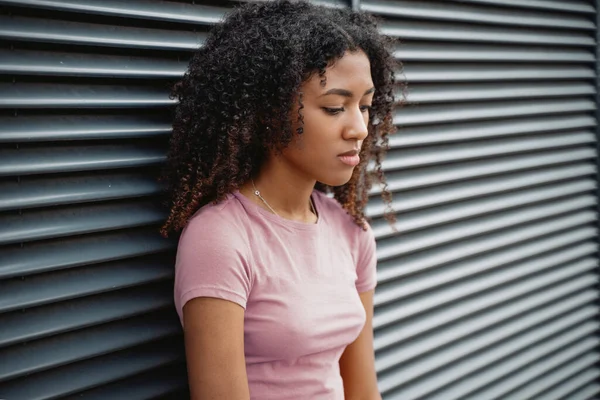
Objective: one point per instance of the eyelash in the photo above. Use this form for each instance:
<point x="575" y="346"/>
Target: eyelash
<point x="335" y="111"/>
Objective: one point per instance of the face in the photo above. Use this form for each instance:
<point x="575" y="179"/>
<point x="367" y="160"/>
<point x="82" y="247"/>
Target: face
<point x="335" y="121"/>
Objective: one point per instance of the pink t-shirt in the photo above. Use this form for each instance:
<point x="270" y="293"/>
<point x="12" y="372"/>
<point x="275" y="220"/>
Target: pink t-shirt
<point x="298" y="282"/>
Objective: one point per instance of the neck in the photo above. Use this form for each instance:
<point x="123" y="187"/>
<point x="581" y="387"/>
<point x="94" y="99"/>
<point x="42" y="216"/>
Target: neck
<point x="285" y="189"/>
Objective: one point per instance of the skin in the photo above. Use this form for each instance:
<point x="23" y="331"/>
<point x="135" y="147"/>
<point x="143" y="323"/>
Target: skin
<point x="335" y="121"/>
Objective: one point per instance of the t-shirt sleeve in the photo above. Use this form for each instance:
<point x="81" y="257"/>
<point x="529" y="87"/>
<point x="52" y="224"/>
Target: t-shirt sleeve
<point x="366" y="268"/>
<point x="211" y="263"/>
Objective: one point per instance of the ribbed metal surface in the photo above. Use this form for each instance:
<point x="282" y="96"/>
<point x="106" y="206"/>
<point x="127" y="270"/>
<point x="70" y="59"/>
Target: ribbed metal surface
<point x="488" y="292"/>
<point x="86" y="280"/>
<point x="490" y="289"/>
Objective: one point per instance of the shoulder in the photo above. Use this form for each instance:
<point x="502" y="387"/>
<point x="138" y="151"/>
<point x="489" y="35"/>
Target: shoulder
<point x="224" y="222"/>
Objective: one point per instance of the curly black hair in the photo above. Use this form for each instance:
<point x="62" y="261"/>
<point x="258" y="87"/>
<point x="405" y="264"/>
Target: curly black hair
<point x="236" y="96"/>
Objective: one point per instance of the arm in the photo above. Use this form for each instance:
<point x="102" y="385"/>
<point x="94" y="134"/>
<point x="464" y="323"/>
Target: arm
<point x="214" y="347"/>
<point x="357" y="364"/>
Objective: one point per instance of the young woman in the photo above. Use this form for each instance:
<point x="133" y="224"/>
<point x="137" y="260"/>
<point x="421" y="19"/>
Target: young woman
<point x="279" y="114"/>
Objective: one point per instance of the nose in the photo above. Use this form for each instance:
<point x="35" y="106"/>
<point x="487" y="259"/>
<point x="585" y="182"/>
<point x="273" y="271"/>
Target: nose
<point x="356" y="128"/>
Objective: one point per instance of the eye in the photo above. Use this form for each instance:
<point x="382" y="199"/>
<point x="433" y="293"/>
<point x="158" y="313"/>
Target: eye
<point x="333" y="111"/>
<point x="366" y="108"/>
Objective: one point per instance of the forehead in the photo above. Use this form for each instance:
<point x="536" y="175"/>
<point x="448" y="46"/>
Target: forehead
<point x="351" y="72"/>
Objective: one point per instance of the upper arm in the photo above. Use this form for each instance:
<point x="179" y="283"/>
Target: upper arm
<point x="213" y="279"/>
<point x="214" y="347"/>
<point x="357" y="364"/>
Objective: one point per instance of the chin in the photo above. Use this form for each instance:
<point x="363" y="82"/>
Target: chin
<point x="336" y="180"/>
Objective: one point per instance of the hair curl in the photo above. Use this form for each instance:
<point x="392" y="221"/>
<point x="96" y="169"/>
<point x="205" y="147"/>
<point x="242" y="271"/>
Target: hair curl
<point x="235" y="99"/>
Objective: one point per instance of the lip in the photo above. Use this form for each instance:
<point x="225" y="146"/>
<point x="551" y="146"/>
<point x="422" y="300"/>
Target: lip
<point x="350" y="158"/>
<point x="352" y="152"/>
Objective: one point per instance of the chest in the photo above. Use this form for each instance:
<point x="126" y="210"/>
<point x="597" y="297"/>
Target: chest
<point x="303" y="301"/>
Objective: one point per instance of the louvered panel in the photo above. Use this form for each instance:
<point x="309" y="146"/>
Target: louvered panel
<point x="490" y="285"/>
<point x="86" y="297"/>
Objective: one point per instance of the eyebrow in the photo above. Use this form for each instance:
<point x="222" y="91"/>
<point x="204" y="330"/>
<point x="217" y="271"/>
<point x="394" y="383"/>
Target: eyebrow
<point x="344" y="92"/>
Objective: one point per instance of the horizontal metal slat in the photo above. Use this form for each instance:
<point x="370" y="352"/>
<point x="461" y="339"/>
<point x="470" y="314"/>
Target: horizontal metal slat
<point x="439" y="235"/>
<point x="480" y="335"/>
<point x="528" y="383"/>
<point x="454" y="152"/>
<point x="48" y="95"/>
<point x="471" y="33"/>
<point x="77" y="220"/>
<point x="464" y="190"/>
<point x="574" y="6"/>
<point x="62" y="285"/>
<point x="94" y="372"/>
<point x="91" y="342"/>
<point x="480" y="356"/>
<point x="459" y="92"/>
<point x="509" y="305"/>
<point x="436" y="174"/>
<point x="46" y="160"/>
<point x="451" y="52"/>
<point x="448" y="133"/>
<point x="448" y="11"/>
<point x="474" y="111"/>
<point x="465" y="292"/>
<point x="81" y="127"/>
<point x="573" y="244"/>
<point x="48" y="320"/>
<point x="22" y="62"/>
<point x="79" y="33"/>
<point x="73" y="252"/>
<point x="149" y="385"/>
<point x="29" y="193"/>
<point x="479" y="245"/>
<point x="416" y="72"/>
<point x="520" y="352"/>
<point x="141" y="9"/>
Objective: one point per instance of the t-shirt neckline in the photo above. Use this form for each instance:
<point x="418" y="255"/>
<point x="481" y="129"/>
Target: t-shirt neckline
<point x="256" y="209"/>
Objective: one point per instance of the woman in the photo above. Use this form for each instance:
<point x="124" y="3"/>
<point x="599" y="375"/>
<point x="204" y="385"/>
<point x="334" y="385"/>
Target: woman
<point x="285" y="103"/>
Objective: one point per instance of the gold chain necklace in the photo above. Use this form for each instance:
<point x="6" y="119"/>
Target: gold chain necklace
<point x="257" y="193"/>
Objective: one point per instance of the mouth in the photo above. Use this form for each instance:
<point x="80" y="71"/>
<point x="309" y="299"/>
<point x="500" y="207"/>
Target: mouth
<point x="350" y="158"/>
